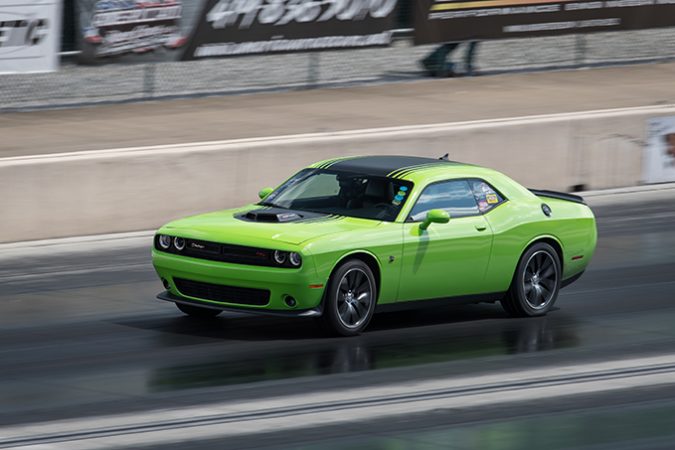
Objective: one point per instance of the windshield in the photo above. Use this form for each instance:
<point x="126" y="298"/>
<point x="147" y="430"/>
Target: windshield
<point x="342" y="193"/>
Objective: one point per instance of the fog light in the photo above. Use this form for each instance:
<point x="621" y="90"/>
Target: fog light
<point x="164" y="241"/>
<point x="165" y="282"/>
<point x="290" y="301"/>
<point x="179" y="243"/>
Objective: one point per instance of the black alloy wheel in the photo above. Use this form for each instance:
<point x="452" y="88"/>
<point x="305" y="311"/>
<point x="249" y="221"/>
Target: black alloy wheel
<point x="350" y="298"/>
<point x="536" y="283"/>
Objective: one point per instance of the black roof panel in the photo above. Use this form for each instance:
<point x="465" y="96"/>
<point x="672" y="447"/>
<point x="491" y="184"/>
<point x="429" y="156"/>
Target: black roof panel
<point x="383" y="165"/>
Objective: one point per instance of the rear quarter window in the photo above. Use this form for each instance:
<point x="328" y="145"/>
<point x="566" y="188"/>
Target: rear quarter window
<point x="486" y="196"/>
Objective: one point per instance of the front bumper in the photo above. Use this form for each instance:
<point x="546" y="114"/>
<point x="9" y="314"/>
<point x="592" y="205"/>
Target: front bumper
<point x="169" y="297"/>
<point x="302" y="284"/>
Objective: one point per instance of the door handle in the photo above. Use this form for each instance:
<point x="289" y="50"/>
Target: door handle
<point x="481" y="227"/>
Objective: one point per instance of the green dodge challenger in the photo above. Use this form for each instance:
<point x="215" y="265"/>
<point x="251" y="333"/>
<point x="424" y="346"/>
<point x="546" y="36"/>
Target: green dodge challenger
<point x="347" y="237"/>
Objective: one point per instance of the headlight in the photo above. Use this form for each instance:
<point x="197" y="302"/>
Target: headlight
<point x="280" y="257"/>
<point x="179" y="243"/>
<point x="164" y="241"/>
<point x="295" y="259"/>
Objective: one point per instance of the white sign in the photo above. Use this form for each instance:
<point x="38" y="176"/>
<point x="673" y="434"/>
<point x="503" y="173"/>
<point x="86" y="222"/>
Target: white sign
<point x="278" y="12"/>
<point x="659" y="163"/>
<point x="30" y="32"/>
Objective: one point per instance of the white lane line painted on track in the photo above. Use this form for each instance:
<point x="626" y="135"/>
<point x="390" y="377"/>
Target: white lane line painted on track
<point x="232" y="418"/>
<point x="296" y="139"/>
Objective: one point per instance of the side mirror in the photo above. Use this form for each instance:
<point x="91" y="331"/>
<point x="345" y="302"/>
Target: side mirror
<point x="265" y="192"/>
<point x="435" y="216"/>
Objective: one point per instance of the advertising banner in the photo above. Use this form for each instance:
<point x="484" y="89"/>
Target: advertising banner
<point x="132" y="29"/>
<point x="459" y="20"/>
<point x="240" y="27"/>
<point x="659" y="156"/>
<point x="29" y="35"/>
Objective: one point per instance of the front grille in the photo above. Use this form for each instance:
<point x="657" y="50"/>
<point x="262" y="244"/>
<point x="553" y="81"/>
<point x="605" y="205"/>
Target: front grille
<point x="221" y="293"/>
<point x="228" y="253"/>
<point x="214" y="251"/>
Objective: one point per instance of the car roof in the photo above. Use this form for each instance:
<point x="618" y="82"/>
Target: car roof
<point x="422" y="171"/>
<point x="412" y="168"/>
<point x="384" y="166"/>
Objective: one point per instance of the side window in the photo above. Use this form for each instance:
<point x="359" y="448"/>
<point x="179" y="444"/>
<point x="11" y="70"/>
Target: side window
<point x="456" y="197"/>
<point x="486" y="196"/>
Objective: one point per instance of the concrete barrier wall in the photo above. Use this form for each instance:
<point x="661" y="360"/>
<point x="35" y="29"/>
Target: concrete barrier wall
<point x="136" y="189"/>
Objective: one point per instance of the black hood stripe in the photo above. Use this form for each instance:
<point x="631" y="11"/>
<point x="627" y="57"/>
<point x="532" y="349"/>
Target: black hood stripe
<point x="329" y="218"/>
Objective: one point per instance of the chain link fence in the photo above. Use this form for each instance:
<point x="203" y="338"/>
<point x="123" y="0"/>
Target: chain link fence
<point x="77" y="85"/>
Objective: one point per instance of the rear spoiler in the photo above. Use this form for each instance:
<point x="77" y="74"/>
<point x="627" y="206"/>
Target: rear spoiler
<point x="559" y="196"/>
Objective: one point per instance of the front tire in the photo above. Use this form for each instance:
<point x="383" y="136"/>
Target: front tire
<point x="536" y="283"/>
<point x="196" y="311"/>
<point x="350" y="298"/>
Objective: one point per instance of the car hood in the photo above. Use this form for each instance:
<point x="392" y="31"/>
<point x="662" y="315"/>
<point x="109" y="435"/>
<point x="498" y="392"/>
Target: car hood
<point x="255" y="225"/>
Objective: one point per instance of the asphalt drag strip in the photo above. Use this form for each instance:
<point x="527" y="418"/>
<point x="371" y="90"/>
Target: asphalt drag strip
<point x="218" y="420"/>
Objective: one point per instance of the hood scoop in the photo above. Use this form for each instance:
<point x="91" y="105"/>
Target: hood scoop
<point x="271" y="215"/>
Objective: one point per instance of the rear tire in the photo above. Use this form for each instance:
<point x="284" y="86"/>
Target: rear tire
<point x="536" y="283"/>
<point x="196" y="311"/>
<point x="350" y="299"/>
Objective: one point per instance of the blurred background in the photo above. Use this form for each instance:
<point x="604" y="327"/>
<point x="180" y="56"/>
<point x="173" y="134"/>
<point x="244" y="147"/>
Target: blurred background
<point x="95" y="67"/>
<point x="117" y="116"/>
